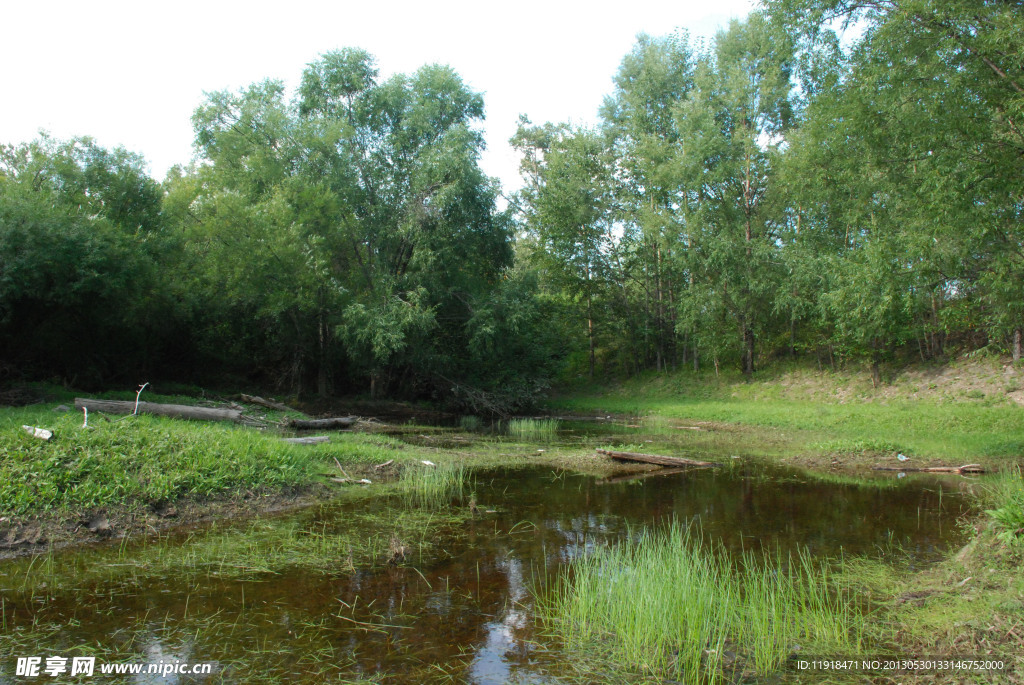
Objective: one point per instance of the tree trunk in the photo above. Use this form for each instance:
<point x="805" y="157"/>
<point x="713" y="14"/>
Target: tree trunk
<point x="1018" y="344"/>
<point x="323" y="424"/>
<point x="590" y="331"/>
<point x="174" y="411"/>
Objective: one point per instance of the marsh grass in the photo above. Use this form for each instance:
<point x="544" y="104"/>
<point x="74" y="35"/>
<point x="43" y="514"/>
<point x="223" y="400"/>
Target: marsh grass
<point x="1005" y="492"/>
<point x="434" y="486"/>
<point x="470" y="423"/>
<point x="667" y="606"/>
<point x="533" y="429"/>
<point x="341" y="545"/>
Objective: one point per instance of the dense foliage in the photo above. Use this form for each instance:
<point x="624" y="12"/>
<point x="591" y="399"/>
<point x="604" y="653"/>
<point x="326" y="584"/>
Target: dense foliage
<point x="784" y="189"/>
<point x="781" y="189"/>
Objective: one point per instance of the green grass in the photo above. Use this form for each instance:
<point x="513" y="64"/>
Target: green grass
<point x="533" y="429"/>
<point x="145" y="460"/>
<point x="933" y="428"/>
<point x="434" y="486"/>
<point x="470" y="423"/>
<point x="1005" y="492"/>
<point x="667" y="606"/>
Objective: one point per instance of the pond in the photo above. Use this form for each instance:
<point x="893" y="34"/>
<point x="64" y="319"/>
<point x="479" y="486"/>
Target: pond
<point x="391" y="589"/>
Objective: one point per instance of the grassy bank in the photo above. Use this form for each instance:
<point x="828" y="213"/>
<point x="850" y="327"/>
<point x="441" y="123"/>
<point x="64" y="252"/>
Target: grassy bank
<point x="960" y="413"/>
<point x="127" y="472"/>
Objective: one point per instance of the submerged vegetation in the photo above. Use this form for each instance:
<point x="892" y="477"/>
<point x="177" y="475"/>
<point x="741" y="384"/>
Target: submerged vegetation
<point x="668" y="605"/>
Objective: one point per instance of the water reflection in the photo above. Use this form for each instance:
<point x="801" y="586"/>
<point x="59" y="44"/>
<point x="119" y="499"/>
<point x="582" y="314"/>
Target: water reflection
<point x="460" y="609"/>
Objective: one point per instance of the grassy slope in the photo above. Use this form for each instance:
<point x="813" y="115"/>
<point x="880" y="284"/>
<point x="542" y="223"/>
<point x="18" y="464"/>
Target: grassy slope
<point x="138" y="462"/>
<point x="960" y="413"/>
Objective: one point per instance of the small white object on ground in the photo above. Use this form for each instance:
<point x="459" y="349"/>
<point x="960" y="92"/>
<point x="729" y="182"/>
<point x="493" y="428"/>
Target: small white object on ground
<point x="902" y="457"/>
<point x="364" y="481"/>
<point x="428" y="463"/>
<point x="40" y="433"/>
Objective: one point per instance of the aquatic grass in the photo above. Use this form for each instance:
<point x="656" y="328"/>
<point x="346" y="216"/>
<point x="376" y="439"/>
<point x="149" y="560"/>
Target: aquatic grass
<point x="668" y="606"/>
<point x="470" y="423"/>
<point x="533" y="429"/>
<point x="1005" y="492"/>
<point x="434" y="486"/>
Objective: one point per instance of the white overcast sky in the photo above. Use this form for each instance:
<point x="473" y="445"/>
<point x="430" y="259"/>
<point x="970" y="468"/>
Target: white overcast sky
<point x="131" y="72"/>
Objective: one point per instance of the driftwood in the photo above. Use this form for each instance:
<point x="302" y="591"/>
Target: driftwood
<point x="647" y="474"/>
<point x="966" y="468"/>
<point x="323" y="424"/>
<point x="311" y="440"/>
<point x="655" y="459"/>
<point x="269" y="404"/>
<point x="174" y="411"/>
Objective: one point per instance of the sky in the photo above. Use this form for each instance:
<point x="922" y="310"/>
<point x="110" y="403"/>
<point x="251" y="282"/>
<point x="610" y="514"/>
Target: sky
<point x="131" y="73"/>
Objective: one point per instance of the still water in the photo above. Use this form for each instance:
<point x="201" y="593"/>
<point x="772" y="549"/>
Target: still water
<point x="368" y="589"/>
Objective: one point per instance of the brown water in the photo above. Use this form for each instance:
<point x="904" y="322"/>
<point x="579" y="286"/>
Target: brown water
<point x="265" y="603"/>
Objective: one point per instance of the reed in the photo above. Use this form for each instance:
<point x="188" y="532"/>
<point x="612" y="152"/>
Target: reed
<point x="669" y="607"/>
<point x="470" y="423"/>
<point x="533" y="429"/>
<point x="434" y="486"/>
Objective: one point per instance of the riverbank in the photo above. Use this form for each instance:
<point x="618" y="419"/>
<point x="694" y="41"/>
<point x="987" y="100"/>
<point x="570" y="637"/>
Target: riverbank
<point x="971" y="411"/>
<point x="967" y="605"/>
<point x="122" y="475"/>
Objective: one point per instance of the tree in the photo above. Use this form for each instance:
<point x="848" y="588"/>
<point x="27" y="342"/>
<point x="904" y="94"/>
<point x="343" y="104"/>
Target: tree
<point x="732" y="126"/>
<point x="371" y="232"/>
<point x="81" y="242"/>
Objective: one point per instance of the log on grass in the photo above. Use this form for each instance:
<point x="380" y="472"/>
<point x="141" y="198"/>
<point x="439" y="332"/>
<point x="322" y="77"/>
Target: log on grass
<point x="269" y="404"/>
<point x="658" y="459"/>
<point x="311" y="440"/>
<point x="966" y="468"/>
<point x="174" y="411"/>
<point x="323" y="424"/>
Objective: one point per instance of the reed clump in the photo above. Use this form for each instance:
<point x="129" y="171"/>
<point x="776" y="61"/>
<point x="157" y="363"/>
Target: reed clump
<point x="434" y="486"/>
<point x="668" y="606"/>
<point x="533" y="429"/>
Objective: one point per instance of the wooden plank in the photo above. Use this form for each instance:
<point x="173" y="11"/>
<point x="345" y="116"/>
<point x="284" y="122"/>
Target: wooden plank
<point x="966" y="468"/>
<point x="648" y="474"/>
<point x="658" y="459"/>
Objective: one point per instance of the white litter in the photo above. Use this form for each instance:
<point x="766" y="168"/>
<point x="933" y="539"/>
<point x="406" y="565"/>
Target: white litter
<point x="40" y="433"/>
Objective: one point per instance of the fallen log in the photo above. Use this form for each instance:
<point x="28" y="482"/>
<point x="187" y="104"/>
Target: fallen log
<point x="647" y="474"/>
<point x="966" y="468"/>
<point x="174" y="411"/>
<point x="323" y="424"/>
<point x="311" y="440"/>
<point x="658" y="459"/>
<point x="269" y="404"/>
